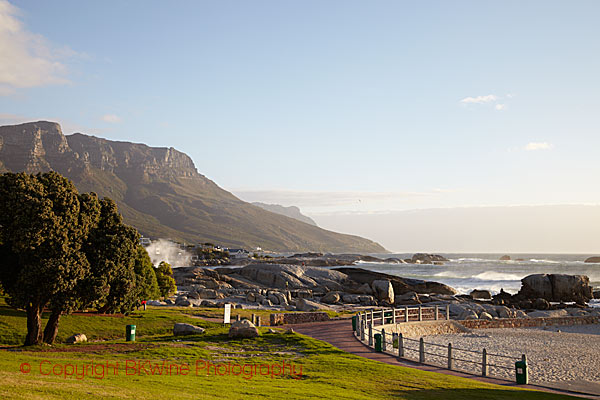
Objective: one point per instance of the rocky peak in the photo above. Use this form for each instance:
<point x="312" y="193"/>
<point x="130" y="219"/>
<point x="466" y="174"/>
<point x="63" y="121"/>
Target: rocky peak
<point x="32" y="146"/>
<point x="135" y="159"/>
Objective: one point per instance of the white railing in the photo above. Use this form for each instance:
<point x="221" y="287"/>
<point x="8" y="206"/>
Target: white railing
<point x="369" y="329"/>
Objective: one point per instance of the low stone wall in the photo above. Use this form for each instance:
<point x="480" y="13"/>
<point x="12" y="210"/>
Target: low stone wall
<point x="528" y="322"/>
<point x="298" y="318"/>
<point x="441" y="327"/>
<point x="424" y="328"/>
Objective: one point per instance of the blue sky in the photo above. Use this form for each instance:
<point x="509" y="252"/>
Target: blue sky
<point x="338" y="106"/>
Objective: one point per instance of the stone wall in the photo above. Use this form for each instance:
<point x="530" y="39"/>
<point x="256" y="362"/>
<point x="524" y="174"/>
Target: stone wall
<point x="423" y="328"/>
<point x="298" y="318"/>
<point x="528" y="322"/>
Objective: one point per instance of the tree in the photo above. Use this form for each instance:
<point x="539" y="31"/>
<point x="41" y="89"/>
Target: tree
<point x="145" y="278"/>
<point x="40" y="242"/>
<point x="164" y="277"/>
<point x="111" y="250"/>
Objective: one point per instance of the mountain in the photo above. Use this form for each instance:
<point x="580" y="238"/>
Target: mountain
<point x="160" y="192"/>
<point x="291" y="211"/>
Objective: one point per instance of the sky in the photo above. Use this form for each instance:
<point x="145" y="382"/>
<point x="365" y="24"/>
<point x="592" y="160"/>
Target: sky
<point x="343" y="108"/>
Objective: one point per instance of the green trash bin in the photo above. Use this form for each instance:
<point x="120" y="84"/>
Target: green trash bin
<point x="354" y="324"/>
<point x="378" y="347"/>
<point x="521" y="372"/>
<point x="130" y="333"/>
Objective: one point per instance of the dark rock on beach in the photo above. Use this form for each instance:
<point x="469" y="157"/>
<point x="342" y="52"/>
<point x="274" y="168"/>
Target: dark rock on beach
<point x="593" y="260"/>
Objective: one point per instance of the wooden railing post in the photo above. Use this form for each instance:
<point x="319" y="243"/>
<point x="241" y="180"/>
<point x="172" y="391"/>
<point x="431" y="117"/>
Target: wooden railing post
<point x="371" y="335"/>
<point x="450" y="361"/>
<point x="437" y="315"/>
<point x="394" y="315"/>
<point x="363" y="327"/>
<point x="405" y="313"/>
<point x="421" y="351"/>
<point x="447" y="311"/>
<point x="420" y="312"/>
<point x="383" y="316"/>
<point x="383" y="347"/>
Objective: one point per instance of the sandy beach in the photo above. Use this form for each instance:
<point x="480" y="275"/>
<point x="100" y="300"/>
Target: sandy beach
<point x="554" y="353"/>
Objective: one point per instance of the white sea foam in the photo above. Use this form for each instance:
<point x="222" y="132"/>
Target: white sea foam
<point x="497" y="276"/>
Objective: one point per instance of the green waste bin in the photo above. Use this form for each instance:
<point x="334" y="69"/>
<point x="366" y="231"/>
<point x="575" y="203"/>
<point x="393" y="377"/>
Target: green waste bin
<point x="354" y="324"/>
<point x="521" y="372"/>
<point x="130" y="333"/>
<point x="378" y="347"/>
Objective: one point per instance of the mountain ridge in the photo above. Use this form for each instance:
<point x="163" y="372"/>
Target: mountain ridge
<point x="160" y="192"/>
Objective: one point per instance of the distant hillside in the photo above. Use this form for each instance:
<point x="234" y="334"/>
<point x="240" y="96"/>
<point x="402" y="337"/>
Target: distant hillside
<point x="291" y="211"/>
<point x="160" y="192"/>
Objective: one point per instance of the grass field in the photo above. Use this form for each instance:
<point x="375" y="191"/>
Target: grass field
<point x="176" y="368"/>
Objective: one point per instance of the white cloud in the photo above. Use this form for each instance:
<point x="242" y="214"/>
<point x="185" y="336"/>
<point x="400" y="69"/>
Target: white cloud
<point x="533" y="146"/>
<point x="500" y="107"/>
<point x="111" y="118"/>
<point x="28" y="59"/>
<point x="479" y="99"/>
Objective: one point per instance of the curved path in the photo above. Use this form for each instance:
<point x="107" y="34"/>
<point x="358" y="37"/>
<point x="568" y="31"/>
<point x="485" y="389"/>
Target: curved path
<point x="339" y="334"/>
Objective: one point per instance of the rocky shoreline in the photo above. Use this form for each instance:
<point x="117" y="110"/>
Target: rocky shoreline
<point x="303" y="283"/>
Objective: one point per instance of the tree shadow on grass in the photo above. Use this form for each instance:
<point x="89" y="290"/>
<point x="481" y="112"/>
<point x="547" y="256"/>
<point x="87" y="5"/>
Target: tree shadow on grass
<point x="476" y="394"/>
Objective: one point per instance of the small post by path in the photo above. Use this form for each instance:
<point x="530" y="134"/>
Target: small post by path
<point x="405" y="313"/>
<point x="383" y="340"/>
<point x="400" y="345"/>
<point x="421" y="351"/>
<point x="420" y="313"/>
<point x="253" y="319"/>
<point x="450" y="361"/>
<point x="371" y="334"/>
<point x="437" y="312"/>
<point x="484" y="364"/>
<point x="448" y="311"/>
<point x="394" y="315"/>
<point x="257" y="320"/>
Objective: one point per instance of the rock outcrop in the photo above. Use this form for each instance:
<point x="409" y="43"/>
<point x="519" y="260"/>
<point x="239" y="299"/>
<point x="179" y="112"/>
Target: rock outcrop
<point x="77" y="338"/>
<point x="384" y="291"/>
<point x="592" y="260"/>
<point x="556" y="287"/>
<point x="400" y="285"/>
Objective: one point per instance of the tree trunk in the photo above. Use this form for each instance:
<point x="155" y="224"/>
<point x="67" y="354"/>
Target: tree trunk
<point x="51" y="327"/>
<point x="34" y="324"/>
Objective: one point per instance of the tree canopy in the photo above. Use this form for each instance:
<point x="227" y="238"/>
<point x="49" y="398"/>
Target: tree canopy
<point x="63" y="250"/>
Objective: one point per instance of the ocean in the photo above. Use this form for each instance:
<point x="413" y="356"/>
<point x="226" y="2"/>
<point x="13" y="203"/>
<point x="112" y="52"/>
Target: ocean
<point x="466" y="272"/>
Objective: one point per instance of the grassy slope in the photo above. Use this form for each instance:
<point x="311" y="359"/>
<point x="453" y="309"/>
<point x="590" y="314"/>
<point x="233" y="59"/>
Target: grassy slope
<point x="326" y="371"/>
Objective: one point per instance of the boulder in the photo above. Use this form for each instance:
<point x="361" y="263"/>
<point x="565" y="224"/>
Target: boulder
<point x="505" y="258"/>
<point x="384" y="291"/>
<point x="180" y="329"/>
<point x="273" y="299"/>
<point x="365" y="288"/>
<point x="504" y="312"/>
<point x="596" y="294"/>
<point x="351" y="298"/>
<point x="540" y="304"/>
<point x="156" y="303"/>
<point x="251" y="297"/>
<point x="182" y="301"/>
<point x="331" y="298"/>
<point x="367" y="300"/>
<point x="282" y="299"/>
<point x="422" y="258"/>
<point x="593" y="260"/>
<point x="556" y="287"/>
<point x="548" y="314"/>
<point x="520" y="314"/>
<point x="485" y="316"/>
<point x="468" y="314"/>
<point x="307" y="305"/>
<point x="243" y="329"/>
<point x="481" y="294"/>
<point x="407" y="299"/>
<point x="76" y="338"/>
<point x="207" y="294"/>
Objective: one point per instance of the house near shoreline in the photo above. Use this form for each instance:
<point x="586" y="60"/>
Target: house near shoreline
<point x="238" y="253"/>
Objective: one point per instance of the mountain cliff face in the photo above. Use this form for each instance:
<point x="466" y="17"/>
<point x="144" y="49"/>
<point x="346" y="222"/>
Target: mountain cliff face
<point x="291" y="211"/>
<point x="160" y="192"/>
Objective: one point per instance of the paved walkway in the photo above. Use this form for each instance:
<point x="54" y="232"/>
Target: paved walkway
<point x="339" y="334"/>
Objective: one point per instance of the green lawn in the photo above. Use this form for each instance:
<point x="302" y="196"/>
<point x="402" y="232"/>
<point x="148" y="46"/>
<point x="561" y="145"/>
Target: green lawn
<point x="326" y="372"/>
